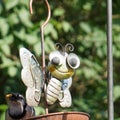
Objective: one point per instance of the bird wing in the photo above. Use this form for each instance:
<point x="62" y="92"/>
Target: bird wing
<point x="31" y="74"/>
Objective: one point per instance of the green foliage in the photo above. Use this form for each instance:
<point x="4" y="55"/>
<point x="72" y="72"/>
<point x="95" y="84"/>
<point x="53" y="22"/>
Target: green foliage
<point x="3" y="108"/>
<point x="80" y="22"/>
<point x="39" y="110"/>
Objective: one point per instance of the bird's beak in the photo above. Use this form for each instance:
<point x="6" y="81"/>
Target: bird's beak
<point x="8" y="96"/>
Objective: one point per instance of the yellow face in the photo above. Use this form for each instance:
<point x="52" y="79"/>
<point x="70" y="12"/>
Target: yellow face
<point x="60" y="72"/>
<point x="60" y="65"/>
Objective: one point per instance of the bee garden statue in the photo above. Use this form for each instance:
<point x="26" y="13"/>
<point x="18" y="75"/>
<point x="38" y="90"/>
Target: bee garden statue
<point x="60" y="69"/>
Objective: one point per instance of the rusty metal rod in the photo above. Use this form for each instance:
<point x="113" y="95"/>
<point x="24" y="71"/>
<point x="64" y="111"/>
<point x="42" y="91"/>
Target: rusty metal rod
<point x="110" y="61"/>
<point x="42" y="43"/>
<point x="30" y="6"/>
<point x="43" y="48"/>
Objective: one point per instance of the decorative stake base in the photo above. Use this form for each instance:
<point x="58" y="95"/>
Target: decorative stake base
<point x="62" y="116"/>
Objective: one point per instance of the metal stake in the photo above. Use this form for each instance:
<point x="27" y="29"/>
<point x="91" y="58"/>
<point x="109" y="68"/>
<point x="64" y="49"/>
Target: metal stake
<point x="110" y="61"/>
<point x="42" y="43"/>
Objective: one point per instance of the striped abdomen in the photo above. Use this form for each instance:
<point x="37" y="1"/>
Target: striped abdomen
<point x="53" y="90"/>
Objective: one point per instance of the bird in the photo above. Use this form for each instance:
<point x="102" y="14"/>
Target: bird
<point x="18" y="108"/>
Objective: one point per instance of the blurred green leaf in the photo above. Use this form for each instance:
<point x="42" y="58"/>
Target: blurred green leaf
<point x="12" y="71"/>
<point x="51" y="30"/>
<point x="116" y="92"/>
<point x="59" y="11"/>
<point x="13" y="19"/>
<point x="2" y="116"/>
<point x="37" y="48"/>
<point x="3" y="107"/>
<point x="8" y="39"/>
<point x="6" y="62"/>
<point x="5" y="49"/>
<point x="87" y="6"/>
<point x="23" y="2"/>
<point x="25" y="17"/>
<point x="20" y="34"/>
<point x="39" y="110"/>
<point x="1" y="8"/>
<point x="4" y="27"/>
<point x="49" y="45"/>
<point x="85" y="27"/>
<point x="31" y="39"/>
<point x="10" y="4"/>
<point x="117" y="119"/>
<point x="66" y="26"/>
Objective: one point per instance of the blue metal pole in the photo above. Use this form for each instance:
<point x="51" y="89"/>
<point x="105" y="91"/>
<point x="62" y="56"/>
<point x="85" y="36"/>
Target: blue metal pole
<point x="110" y="61"/>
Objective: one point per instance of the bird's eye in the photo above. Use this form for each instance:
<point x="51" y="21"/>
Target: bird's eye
<point x="56" y="58"/>
<point x="20" y="96"/>
<point x="73" y="61"/>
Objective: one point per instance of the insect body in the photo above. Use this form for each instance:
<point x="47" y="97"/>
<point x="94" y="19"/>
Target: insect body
<point x="61" y="68"/>
<point x="53" y="90"/>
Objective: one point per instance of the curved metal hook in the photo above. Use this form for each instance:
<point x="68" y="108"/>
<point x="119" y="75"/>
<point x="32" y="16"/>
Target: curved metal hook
<point x="42" y="40"/>
<point x="42" y="32"/>
<point x="49" y="14"/>
<point x="30" y="6"/>
<point x="42" y="29"/>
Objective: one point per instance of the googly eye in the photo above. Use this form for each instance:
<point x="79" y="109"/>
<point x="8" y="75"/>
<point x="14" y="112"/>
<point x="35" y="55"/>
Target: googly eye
<point x="56" y="61"/>
<point x="56" y="58"/>
<point x="73" y="61"/>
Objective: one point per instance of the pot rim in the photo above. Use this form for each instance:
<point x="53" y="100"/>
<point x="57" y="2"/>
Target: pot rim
<point x="58" y="113"/>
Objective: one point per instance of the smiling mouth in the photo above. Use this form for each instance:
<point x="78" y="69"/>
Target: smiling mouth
<point x="67" y="71"/>
<point x="54" y="68"/>
<point x="60" y="73"/>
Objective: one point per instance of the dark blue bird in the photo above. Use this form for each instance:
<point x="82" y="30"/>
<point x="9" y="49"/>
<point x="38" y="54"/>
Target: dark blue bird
<point x="18" y="108"/>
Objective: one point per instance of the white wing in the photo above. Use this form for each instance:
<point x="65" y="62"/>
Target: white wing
<point x="65" y="99"/>
<point x="30" y="97"/>
<point x="31" y="76"/>
<point x="26" y="74"/>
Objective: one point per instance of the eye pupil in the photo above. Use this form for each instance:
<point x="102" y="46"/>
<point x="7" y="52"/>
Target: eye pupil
<point x="73" y="62"/>
<point x="55" y="61"/>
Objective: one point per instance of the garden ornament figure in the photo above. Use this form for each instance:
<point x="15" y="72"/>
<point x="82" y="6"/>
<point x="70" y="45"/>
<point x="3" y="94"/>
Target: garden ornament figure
<point x="61" y="67"/>
<point x="60" y="70"/>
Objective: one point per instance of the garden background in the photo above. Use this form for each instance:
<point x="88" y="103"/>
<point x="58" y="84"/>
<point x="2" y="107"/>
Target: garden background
<point x="80" y="22"/>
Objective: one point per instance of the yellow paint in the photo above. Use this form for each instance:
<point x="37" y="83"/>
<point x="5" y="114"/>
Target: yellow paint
<point x="61" y="72"/>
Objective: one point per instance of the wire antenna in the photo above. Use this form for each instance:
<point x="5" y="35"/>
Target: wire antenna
<point x="69" y="47"/>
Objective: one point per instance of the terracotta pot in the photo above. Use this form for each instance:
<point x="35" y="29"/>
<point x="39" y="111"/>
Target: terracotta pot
<point x="62" y="116"/>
